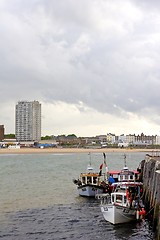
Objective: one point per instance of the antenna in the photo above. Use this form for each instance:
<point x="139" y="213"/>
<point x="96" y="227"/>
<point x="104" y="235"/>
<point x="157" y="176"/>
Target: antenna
<point x="125" y="164"/>
<point x="89" y="168"/>
<point x="89" y="158"/>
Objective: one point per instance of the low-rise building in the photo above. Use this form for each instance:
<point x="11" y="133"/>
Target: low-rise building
<point x="130" y="138"/>
<point x="111" y="138"/>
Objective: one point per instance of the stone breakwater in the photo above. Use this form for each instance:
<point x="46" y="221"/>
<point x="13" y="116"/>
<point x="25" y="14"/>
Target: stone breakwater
<point x="151" y="188"/>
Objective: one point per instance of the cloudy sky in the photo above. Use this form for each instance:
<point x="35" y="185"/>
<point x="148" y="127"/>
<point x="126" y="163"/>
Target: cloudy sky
<point x="94" y="65"/>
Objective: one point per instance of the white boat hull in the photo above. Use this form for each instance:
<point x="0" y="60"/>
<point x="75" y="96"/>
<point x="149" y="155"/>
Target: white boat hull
<point x="118" y="214"/>
<point x="89" y="190"/>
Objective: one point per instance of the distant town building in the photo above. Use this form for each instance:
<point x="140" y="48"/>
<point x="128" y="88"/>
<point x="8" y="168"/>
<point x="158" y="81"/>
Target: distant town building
<point x="123" y="145"/>
<point x="1" y="132"/>
<point x="28" y="121"/>
<point x="130" y="138"/>
<point x="122" y="138"/>
<point x="157" y="140"/>
<point x="111" y="138"/>
<point x="147" y="139"/>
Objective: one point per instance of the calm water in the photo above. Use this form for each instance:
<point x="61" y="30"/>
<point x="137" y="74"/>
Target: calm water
<point x="39" y="201"/>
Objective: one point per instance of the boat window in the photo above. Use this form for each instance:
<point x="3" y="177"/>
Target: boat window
<point x="83" y="180"/>
<point x="121" y="177"/>
<point x="131" y="176"/>
<point x="94" y="180"/>
<point x="126" y="177"/>
<point x="89" y="180"/>
<point x="115" y="176"/>
<point x="119" y="198"/>
<point x="125" y="200"/>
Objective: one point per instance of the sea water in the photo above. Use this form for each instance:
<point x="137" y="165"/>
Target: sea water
<point x="38" y="199"/>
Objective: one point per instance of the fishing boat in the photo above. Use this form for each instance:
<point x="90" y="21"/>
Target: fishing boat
<point x="91" y="183"/>
<point x="124" y="204"/>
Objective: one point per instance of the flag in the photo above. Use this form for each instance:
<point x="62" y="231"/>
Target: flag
<point x="100" y="172"/>
<point x="101" y="166"/>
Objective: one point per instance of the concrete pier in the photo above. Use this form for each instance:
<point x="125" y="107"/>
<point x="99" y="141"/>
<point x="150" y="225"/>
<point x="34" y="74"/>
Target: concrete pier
<point x="151" y="188"/>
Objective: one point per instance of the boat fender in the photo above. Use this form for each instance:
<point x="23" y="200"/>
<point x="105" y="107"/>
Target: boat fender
<point x="142" y="213"/>
<point x="137" y="214"/>
<point x="127" y="194"/>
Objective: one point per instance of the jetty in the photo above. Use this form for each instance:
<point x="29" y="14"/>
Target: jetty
<point x="150" y="175"/>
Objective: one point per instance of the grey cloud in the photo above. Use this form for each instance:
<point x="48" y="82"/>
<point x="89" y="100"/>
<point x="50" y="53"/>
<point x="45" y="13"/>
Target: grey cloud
<point x="81" y="51"/>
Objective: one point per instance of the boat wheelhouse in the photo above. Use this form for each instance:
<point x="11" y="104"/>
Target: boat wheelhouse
<point x="91" y="183"/>
<point x="124" y="204"/>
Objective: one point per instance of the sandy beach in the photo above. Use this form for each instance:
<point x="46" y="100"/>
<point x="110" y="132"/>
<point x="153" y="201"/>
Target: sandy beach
<point x="70" y="150"/>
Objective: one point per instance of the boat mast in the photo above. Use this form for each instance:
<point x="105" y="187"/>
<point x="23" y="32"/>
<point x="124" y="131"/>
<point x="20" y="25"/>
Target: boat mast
<point x="106" y="168"/>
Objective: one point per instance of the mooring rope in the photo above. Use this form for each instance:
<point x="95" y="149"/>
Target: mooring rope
<point x="149" y="211"/>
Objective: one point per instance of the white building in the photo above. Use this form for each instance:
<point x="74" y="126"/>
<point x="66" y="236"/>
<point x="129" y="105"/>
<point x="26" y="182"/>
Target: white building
<point x="157" y="140"/>
<point x="28" y="121"/>
<point x="122" y="138"/>
<point x="130" y="138"/>
<point x="111" y="138"/>
<point x="123" y="144"/>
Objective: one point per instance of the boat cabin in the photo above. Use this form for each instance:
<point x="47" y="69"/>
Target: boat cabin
<point x="123" y="176"/>
<point x="126" y="176"/>
<point x="119" y="198"/>
<point x="90" y="178"/>
<point x="126" y="193"/>
<point x="116" y="198"/>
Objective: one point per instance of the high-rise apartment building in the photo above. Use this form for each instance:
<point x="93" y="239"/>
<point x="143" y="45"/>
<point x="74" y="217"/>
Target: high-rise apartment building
<point x="1" y="132"/>
<point x="28" y="121"/>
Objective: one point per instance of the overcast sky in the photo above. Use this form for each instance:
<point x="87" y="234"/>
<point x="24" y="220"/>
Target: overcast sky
<point x="94" y="65"/>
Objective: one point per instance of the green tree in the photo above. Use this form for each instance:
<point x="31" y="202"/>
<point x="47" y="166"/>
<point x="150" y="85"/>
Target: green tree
<point x="9" y="136"/>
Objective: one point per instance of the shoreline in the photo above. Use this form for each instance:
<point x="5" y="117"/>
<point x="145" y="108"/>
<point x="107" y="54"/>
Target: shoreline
<point x="70" y="150"/>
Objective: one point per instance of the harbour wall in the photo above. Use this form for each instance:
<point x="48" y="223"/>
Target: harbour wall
<point x="150" y="169"/>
